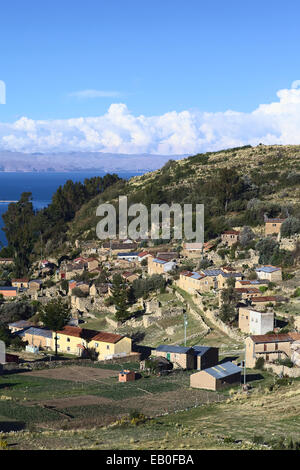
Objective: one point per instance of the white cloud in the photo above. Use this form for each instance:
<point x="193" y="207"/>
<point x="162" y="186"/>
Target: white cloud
<point x="94" y="94"/>
<point x="186" y="132"/>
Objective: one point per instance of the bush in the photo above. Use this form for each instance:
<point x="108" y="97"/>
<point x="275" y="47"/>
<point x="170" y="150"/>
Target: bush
<point x="285" y="362"/>
<point x="260" y="363"/>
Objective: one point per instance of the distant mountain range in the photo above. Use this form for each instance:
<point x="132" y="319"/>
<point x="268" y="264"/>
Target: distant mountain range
<point x="81" y="161"/>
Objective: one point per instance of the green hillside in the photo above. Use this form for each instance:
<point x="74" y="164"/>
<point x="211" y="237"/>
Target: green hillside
<point x="237" y="187"/>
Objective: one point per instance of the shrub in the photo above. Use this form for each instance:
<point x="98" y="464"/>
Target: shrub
<point x="260" y="363"/>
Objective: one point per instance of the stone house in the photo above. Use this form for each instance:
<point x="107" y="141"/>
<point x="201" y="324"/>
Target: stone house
<point x="270" y="347"/>
<point x="255" y="322"/>
<point x="20" y="283"/>
<point x="179" y="356"/>
<point x="273" y="226"/>
<point x="269" y="273"/>
<point x="217" y="377"/>
<point x="41" y="338"/>
<point x="160" y="266"/>
<point x="230" y="237"/>
<point x="192" y="250"/>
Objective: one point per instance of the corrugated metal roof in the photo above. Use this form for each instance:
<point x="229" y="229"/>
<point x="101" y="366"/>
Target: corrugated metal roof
<point x="20" y="324"/>
<point x="281" y="337"/>
<point x="212" y="272"/>
<point x="223" y="370"/>
<point x="160" y="261"/>
<point x="196" y="276"/>
<point x="8" y="288"/>
<point x="267" y="269"/>
<point x="200" y="350"/>
<point x="173" y="349"/>
<point x="128" y="254"/>
<point x="37" y="332"/>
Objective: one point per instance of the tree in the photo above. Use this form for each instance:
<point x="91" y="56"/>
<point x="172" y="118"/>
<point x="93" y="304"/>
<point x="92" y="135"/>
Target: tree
<point x="119" y="297"/>
<point x="65" y="285"/>
<point x="290" y="226"/>
<point x="246" y="236"/>
<point x="230" y="297"/>
<point x="266" y="248"/>
<point x="19" y="231"/>
<point x="227" y="313"/>
<point x="55" y="315"/>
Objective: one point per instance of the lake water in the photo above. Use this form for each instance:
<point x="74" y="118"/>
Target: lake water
<point x="41" y="185"/>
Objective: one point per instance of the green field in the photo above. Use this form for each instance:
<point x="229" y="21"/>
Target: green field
<point x="259" y="420"/>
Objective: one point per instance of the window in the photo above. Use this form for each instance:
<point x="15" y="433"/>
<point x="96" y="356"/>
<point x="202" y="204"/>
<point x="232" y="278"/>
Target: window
<point x="68" y="339"/>
<point x="276" y="346"/>
<point x="68" y="349"/>
<point x="96" y="345"/>
<point x="58" y="346"/>
<point x="107" y="347"/>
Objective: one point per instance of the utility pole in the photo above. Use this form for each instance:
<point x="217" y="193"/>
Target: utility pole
<point x="185" y="322"/>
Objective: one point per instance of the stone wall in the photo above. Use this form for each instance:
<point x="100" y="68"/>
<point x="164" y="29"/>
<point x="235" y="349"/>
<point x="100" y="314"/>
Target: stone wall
<point x="213" y="317"/>
<point x="38" y="365"/>
<point x="278" y="369"/>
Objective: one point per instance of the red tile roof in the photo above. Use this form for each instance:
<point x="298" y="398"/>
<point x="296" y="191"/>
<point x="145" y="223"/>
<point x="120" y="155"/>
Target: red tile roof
<point x="269" y="221"/>
<point x="90" y="334"/>
<point x="107" y="337"/>
<point x="267" y="298"/>
<point x="231" y="232"/>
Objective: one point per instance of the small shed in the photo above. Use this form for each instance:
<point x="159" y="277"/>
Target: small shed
<point x="180" y="356"/>
<point x="217" y="377"/>
<point x="126" y="375"/>
<point x="205" y="356"/>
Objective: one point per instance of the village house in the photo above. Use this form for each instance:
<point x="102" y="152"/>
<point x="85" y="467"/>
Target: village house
<point x="216" y="377"/>
<point x="251" y="283"/>
<point x="20" y="283"/>
<point x="248" y="292"/>
<point x="230" y="237"/>
<point x="270" y="347"/>
<point x="255" y="323"/>
<point x="35" y="285"/>
<point x="75" y="341"/>
<point x="70" y="270"/>
<point x="264" y="300"/>
<point x="129" y="276"/>
<point x="143" y="255"/>
<point x="8" y="291"/>
<point x="167" y="255"/>
<point x="192" y="282"/>
<point x="223" y="277"/>
<point x="115" y="248"/>
<point x="179" y="356"/>
<point x="89" y="263"/>
<point x="128" y="256"/>
<point x="192" y="250"/>
<point x="160" y="266"/>
<point x="270" y="273"/>
<point x="273" y="226"/>
<point x="40" y="338"/>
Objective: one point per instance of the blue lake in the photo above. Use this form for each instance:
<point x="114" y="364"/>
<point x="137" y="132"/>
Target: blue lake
<point x="41" y="185"/>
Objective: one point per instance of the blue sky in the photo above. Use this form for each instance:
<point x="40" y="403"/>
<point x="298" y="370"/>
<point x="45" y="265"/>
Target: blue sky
<point x="73" y="59"/>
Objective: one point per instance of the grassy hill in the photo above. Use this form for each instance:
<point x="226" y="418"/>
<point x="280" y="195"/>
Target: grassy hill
<point x="237" y="187"/>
